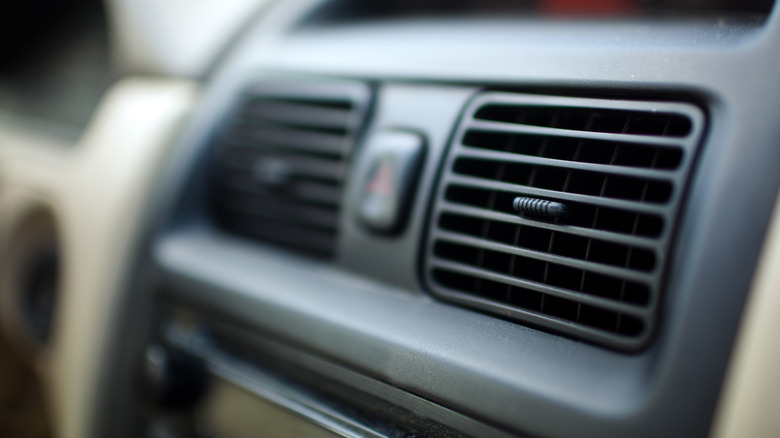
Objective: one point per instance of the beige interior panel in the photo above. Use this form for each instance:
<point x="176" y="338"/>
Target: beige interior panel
<point x="750" y="405"/>
<point x="232" y="412"/>
<point x="98" y="191"/>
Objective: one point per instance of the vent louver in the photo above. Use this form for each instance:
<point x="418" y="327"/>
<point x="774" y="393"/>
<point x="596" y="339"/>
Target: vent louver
<point x="281" y="159"/>
<point x="618" y="167"/>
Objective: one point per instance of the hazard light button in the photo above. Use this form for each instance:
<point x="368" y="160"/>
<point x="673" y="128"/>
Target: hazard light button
<point x="391" y="166"/>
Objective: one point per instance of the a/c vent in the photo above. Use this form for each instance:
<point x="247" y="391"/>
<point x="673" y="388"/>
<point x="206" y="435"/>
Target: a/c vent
<point x="614" y="171"/>
<point x="281" y="160"/>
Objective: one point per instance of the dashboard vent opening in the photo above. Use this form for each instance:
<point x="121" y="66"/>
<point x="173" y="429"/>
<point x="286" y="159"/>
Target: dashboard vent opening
<point x="618" y="168"/>
<point x="281" y="159"/>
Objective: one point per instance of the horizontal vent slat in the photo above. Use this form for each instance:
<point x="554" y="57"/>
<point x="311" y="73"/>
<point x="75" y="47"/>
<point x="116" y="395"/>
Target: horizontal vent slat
<point x="449" y="207"/>
<point x="589" y="322"/>
<point x="557" y="132"/>
<point x="515" y="281"/>
<point x="543" y="256"/>
<point x="557" y="243"/>
<point x="624" y="121"/>
<point x="308" y="191"/>
<point x="476" y="153"/>
<point x="298" y="114"/>
<point x="613" y="153"/>
<point x="282" y="210"/>
<point x="580" y="215"/>
<point x="336" y="94"/>
<point x="306" y="141"/>
<point x="302" y="166"/>
<point x="553" y="194"/>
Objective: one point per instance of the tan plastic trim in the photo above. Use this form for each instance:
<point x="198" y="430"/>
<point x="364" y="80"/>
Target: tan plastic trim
<point x="750" y="403"/>
<point x="98" y="193"/>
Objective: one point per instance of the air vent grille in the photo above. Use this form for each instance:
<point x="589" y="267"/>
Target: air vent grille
<point x="595" y="273"/>
<point x="281" y="161"/>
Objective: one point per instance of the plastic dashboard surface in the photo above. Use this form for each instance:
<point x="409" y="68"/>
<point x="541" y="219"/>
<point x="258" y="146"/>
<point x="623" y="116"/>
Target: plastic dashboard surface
<point x="366" y="310"/>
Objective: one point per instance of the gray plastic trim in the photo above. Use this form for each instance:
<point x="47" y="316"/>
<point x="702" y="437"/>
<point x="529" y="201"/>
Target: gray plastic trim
<point x="433" y="350"/>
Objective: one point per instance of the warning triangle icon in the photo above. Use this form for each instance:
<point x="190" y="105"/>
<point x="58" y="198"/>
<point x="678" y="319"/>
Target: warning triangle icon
<point x="381" y="182"/>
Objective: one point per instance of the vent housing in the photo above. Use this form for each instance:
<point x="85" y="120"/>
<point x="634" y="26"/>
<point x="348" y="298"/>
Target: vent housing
<point x="619" y="167"/>
<point x="281" y="159"/>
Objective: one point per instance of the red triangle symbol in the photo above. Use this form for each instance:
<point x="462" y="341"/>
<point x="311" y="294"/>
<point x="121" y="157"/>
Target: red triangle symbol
<point x="382" y="181"/>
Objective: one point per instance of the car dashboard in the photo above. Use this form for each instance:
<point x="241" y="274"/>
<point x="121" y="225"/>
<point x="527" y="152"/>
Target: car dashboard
<point x="405" y="219"/>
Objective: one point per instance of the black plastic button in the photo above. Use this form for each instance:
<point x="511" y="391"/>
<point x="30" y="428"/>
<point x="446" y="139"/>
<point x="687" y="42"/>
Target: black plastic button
<point x="393" y="162"/>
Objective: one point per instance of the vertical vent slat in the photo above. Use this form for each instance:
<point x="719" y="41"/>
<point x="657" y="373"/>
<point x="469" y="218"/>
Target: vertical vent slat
<point x="280" y="161"/>
<point x="594" y="272"/>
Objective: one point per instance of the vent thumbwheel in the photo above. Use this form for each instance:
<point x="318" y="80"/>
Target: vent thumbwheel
<point x="558" y="212"/>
